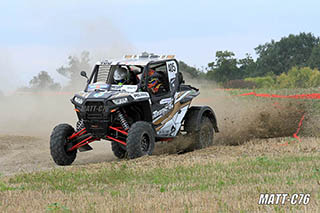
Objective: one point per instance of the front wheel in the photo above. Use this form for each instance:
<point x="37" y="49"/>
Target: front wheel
<point x="140" y="140"/>
<point x="58" y="145"/>
<point x="118" y="150"/>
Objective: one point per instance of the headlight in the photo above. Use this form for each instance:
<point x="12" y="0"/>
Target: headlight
<point x="78" y="100"/>
<point x="120" y="101"/>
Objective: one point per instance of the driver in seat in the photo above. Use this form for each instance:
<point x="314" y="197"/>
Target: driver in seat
<point x="123" y="76"/>
<point x="155" y="83"/>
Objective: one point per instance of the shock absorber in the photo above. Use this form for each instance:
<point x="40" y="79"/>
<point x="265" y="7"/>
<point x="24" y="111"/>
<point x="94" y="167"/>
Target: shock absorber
<point x="123" y="120"/>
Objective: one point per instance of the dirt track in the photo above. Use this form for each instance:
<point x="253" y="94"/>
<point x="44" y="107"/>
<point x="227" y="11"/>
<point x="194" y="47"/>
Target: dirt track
<point x="26" y="153"/>
<point x="25" y="129"/>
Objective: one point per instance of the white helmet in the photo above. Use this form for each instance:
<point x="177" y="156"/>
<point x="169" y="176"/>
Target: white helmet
<point x="120" y="75"/>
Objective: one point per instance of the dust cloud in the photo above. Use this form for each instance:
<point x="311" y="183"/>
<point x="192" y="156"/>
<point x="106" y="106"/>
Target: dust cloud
<point x="241" y="119"/>
<point x="35" y="114"/>
<point x="25" y="128"/>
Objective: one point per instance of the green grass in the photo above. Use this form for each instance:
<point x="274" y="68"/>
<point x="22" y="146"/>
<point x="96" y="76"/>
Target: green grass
<point x="206" y="177"/>
<point x="217" y="179"/>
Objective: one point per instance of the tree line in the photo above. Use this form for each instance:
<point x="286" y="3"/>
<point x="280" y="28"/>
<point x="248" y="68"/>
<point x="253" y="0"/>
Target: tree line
<point x="291" y="62"/>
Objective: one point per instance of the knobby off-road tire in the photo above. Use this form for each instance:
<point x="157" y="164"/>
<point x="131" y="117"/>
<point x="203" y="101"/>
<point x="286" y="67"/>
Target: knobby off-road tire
<point x="58" y="141"/>
<point x="118" y="150"/>
<point x="202" y="138"/>
<point x="140" y="140"/>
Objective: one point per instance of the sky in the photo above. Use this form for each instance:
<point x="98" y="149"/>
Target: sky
<point x="40" y="35"/>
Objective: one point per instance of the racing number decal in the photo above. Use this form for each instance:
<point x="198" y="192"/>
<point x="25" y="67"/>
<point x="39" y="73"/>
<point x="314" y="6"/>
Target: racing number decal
<point x="172" y="71"/>
<point x="171" y="67"/>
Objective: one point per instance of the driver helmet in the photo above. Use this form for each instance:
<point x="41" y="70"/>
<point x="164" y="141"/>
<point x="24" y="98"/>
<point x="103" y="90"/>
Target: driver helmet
<point x="155" y="81"/>
<point x="120" y="75"/>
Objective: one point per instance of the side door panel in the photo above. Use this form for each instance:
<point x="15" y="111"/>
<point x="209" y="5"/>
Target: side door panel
<point x="169" y="123"/>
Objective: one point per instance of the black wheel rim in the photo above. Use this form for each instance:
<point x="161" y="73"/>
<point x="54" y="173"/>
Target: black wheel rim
<point x="205" y="135"/>
<point x="145" y="142"/>
<point x="68" y="146"/>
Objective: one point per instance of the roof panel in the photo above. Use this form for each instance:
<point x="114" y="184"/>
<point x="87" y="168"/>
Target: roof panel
<point x="139" y="60"/>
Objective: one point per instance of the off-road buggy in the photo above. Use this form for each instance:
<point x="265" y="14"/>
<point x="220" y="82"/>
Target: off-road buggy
<point x="131" y="116"/>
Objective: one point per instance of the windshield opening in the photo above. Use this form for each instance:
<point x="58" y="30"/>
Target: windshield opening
<point x="110" y="77"/>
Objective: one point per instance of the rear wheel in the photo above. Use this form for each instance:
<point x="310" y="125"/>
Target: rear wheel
<point x="140" y="140"/>
<point x="203" y="137"/>
<point x="58" y="145"/>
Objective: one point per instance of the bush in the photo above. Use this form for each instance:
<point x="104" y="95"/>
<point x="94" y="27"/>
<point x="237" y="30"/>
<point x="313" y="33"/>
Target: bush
<point x="239" y="83"/>
<point x="304" y="77"/>
<point x="262" y="82"/>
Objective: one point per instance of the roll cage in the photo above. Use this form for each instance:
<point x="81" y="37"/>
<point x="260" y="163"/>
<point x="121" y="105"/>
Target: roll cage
<point x="142" y="85"/>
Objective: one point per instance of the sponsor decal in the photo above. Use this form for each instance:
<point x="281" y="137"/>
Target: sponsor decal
<point x="166" y="101"/>
<point x="99" y="94"/>
<point x="98" y="86"/>
<point x="126" y="88"/>
<point x="115" y="87"/>
<point x="162" y="111"/>
<point x="130" y="88"/>
<point x="140" y="95"/>
<point x="94" y="108"/>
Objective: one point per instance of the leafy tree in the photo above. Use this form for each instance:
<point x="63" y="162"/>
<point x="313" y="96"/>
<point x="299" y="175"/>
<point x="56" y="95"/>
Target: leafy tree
<point x="279" y="57"/>
<point x="247" y="67"/>
<point x="43" y="81"/>
<point x="189" y="70"/>
<point x="75" y="66"/>
<point x="224" y="68"/>
<point x="314" y="60"/>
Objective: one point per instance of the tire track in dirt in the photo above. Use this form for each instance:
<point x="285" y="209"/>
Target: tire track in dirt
<point x="26" y="154"/>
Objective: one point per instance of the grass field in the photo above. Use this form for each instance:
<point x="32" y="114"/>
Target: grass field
<point x="220" y="178"/>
